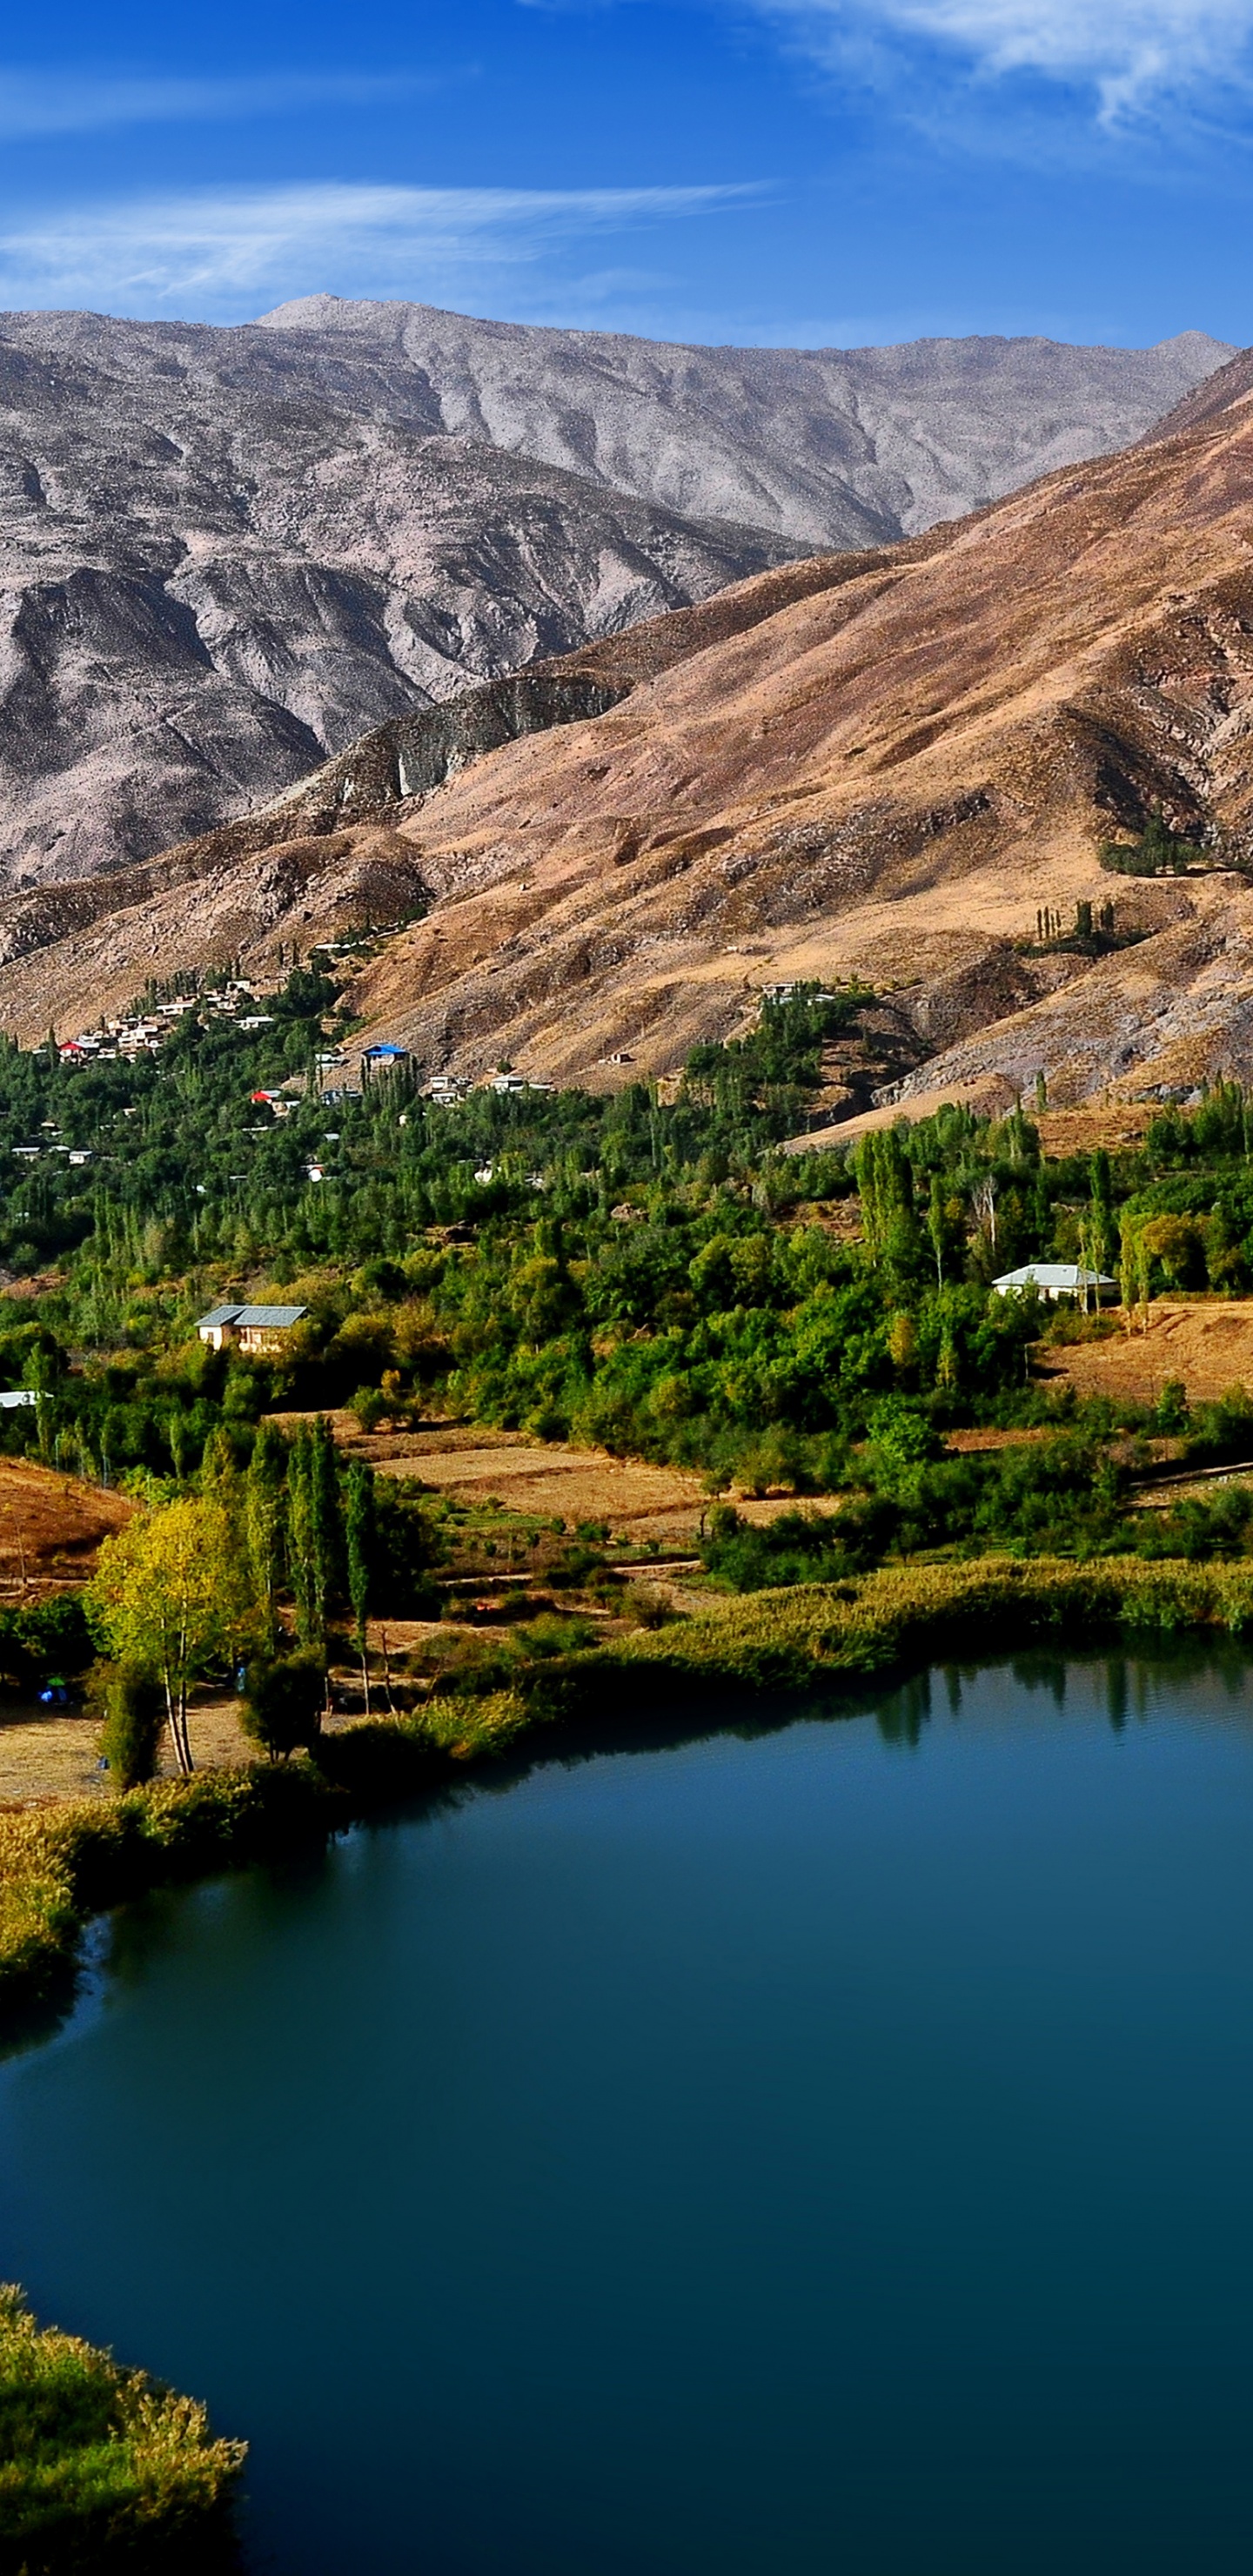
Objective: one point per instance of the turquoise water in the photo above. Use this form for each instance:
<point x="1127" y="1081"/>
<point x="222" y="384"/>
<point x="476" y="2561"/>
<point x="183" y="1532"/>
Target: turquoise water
<point x="828" y="2149"/>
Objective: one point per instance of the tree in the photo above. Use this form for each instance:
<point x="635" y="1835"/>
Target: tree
<point x="885" y="1182"/>
<point x="1134" y="1271"/>
<point x="300" y="1531"/>
<point x="171" y="1594"/>
<point x="316" y="1528"/>
<point x="360" y="1533"/>
<point x="134" y="1714"/>
<point x="283" y="1701"/>
<point x="937" y="1226"/>
<point x="327" y="1523"/>
<point x="1103" y="1229"/>
<point x="265" y="1516"/>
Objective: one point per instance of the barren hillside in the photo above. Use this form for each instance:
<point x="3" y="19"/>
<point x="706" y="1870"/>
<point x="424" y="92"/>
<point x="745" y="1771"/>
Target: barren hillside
<point x="882" y="764"/>
<point x="224" y="554"/>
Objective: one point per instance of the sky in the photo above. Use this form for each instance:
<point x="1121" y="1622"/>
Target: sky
<point x="796" y="172"/>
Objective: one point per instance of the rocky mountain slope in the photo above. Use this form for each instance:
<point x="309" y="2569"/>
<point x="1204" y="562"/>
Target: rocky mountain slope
<point x="883" y="763"/>
<point x="833" y="447"/>
<point x="225" y="553"/>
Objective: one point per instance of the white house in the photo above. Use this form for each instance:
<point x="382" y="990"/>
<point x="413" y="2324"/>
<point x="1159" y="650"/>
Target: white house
<point x="1054" y="1279"/>
<point x="251" y="1328"/>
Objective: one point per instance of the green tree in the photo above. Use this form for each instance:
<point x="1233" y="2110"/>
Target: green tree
<point x="301" y="1544"/>
<point x="134" y="1714"/>
<point x="361" y="1544"/>
<point x="171" y="1595"/>
<point x="328" y="1522"/>
<point x="885" y="1182"/>
<point x="265" y="1517"/>
<point x="283" y="1701"/>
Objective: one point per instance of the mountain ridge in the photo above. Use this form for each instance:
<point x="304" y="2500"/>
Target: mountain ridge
<point x="227" y="553"/>
<point x="880" y="764"/>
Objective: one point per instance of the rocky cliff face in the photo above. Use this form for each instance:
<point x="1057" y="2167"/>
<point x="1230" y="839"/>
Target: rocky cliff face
<point x="225" y="555"/>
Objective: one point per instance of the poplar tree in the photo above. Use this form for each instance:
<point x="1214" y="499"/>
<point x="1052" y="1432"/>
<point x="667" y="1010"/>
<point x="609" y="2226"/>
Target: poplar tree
<point x="360" y="1533"/>
<point x="265" y="1515"/>
<point x="300" y="1533"/>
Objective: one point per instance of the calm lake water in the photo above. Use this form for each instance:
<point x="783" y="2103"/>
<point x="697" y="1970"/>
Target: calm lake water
<point x="826" y="2152"/>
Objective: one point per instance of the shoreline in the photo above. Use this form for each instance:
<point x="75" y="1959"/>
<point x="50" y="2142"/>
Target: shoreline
<point x="63" y="1862"/>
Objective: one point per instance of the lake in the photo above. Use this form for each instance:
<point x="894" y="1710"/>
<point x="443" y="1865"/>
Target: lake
<point x="825" y="2151"/>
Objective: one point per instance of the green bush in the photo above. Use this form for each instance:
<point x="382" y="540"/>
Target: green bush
<point x="134" y="1714"/>
<point x="101" y="2468"/>
<point x="283" y="1701"/>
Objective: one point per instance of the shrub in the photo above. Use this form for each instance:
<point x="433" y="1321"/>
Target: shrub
<point x="134" y="1714"/>
<point x="283" y="1701"/>
<point x="101" y="2468"/>
<point x="550" y="1634"/>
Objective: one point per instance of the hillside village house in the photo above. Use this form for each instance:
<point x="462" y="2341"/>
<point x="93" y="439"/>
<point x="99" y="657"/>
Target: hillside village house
<point x="1054" y="1279"/>
<point x="259" y="1329"/>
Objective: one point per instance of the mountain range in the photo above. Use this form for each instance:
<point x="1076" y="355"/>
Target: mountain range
<point x="226" y="554"/>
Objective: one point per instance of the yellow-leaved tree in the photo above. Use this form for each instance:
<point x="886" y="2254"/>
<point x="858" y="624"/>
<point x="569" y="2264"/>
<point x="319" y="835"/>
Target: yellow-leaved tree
<point x="172" y="1595"/>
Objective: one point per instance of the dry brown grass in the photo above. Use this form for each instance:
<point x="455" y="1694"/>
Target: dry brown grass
<point x="972" y="1444"/>
<point x="1117" y="1125"/>
<point x="547" y="1479"/>
<point x="1207" y="1343"/>
<point x="51" y="1527"/>
<point x="54" y="1753"/>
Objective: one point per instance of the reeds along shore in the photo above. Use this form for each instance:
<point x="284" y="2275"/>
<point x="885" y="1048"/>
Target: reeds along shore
<point x="102" y="2467"/>
<point x="60" y="1865"/>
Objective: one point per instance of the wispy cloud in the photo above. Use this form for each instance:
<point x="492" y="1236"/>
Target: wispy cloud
<point x="1131" y="55"/>
<point x="224" y="255"/>
<point x="35" y="103"/>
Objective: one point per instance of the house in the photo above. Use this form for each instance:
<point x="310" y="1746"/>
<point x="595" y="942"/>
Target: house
<point x="258" y="1329"/>
<point x="1054" y="1279"/>
<point x="384" y="1059"/>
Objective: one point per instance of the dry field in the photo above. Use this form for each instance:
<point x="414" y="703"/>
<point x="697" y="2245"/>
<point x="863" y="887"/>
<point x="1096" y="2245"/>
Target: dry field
<point x="51" y="1527"/>
<point x="1206" y="1342"/>
<point x="48" y="1753"/>
<point x="546" y="1478"/>
<point x="971" y="1444"/>
<point x="1117" y="1125"/>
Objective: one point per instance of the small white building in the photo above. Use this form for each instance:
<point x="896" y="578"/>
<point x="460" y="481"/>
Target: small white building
<point x="1054" y="1279"/>
<point x="258" y="1329"/>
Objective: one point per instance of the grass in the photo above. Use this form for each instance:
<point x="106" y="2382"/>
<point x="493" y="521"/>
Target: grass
<point x="101" y="2468"/>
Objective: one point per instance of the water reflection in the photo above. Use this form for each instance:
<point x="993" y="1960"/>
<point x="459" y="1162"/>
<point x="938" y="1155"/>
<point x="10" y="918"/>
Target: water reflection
<point x="764" y="2152"/>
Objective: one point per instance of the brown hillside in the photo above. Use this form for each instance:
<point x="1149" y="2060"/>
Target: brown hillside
<point x="882" y="764"/>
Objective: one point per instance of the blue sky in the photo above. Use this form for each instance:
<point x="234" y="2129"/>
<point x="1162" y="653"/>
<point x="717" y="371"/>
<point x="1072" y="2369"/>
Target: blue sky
<point x="790" y="171"/>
